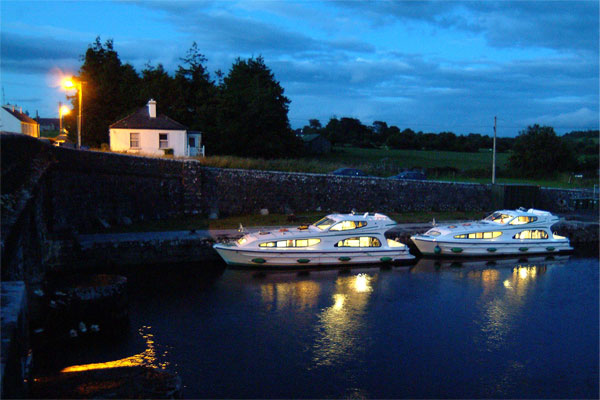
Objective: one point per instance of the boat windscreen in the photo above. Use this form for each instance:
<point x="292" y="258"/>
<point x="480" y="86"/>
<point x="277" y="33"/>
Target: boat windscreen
<point x="324" y="223"/>
<point x="498" y="217"/>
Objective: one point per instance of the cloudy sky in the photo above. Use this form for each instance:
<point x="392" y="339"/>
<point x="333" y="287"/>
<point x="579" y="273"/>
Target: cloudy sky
<point x="425" y="65"/>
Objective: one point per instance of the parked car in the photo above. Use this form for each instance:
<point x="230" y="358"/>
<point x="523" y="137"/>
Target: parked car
<point x="348" y="172"/>
<point x="416" y="175"/>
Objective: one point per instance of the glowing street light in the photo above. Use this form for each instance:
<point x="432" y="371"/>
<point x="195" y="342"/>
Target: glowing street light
<point x="62" y="110"/>
<point x="69" y="84"/>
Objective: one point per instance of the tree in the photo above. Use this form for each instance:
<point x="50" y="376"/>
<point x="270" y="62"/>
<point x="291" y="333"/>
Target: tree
<point x="109" y="92"/>
<point x="538" y="152"/>
<point x="252" y="118"/>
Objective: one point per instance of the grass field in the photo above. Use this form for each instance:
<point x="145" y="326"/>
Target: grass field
<point x="459" y="166"/>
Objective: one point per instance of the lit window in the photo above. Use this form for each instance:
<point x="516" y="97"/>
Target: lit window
<point x="291" y="243"/>
<point x="348" y="225"/>
<point x="523" y="220"/>
<point x="363" y="241"/>
<point x="479" y="235"/>
<point x="241" y="241"/>
<point x="134" y="140"/>
<point x="163" y="140"/>
<point x="393" y="243"/>
<point x="531" y="234"/>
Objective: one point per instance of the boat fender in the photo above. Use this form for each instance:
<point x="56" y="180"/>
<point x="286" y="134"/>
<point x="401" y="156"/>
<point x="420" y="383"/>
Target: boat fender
<point x="437" y="249"/>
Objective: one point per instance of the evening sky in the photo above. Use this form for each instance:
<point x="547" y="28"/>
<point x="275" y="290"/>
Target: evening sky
<point x="430" y="66"/>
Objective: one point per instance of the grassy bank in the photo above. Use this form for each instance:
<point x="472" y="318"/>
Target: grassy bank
<point x="248" y="221"/>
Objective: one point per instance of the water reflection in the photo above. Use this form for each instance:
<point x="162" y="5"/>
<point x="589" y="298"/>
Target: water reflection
<point x="301" y="294"/>
<point x="340" y="327"/>
<point x="149" y="357"/>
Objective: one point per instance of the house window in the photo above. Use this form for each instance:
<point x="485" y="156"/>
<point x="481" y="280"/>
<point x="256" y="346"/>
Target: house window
<point x="163" y="140"/>
<point x="134" y="140"/>
<point x="192" y="142"/>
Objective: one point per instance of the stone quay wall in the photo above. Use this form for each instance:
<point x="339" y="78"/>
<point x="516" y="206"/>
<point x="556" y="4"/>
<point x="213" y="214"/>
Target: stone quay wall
<point x="50" y="194"/>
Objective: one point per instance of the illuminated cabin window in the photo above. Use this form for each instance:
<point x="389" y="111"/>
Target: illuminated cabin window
<point x="531" y="234"/>
<point x="498" y="218"/>
<point x="241" y="241"/>
<point x="479" y="235"/>
<point x="291" y="243"/>
<point x="363" y="241"/>
<point x="523" y="220"/>
<point x="348" y="225"/>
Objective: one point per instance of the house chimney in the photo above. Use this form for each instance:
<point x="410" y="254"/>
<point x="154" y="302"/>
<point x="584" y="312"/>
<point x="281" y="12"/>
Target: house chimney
<point x="21" y="110"/>
<point x="152" y="108"/>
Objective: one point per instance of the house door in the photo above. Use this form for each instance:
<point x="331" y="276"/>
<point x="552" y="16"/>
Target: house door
<point x="192" y="146"/>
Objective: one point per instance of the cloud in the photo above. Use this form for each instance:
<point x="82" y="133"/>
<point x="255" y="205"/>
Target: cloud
<point x="582" y="118"/>
<point x="546" y="24"/>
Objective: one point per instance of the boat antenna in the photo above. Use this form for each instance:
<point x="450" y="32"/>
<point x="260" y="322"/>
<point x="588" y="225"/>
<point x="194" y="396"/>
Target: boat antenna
<point x="241" y="228"/>
<point x="433" y="222"/>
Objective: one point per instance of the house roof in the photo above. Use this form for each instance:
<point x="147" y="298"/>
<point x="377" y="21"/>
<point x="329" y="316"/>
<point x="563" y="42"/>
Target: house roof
<point x="141" y="120"/>
<point x="20" y="116"/>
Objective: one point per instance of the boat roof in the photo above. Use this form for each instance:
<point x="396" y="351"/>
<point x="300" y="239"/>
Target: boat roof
<point x="360" y="217"/>
<point x="523" y="212"/>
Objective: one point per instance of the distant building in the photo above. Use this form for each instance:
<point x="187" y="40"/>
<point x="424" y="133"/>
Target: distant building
<point x="316" y="144"/>
<point x="12" y="119"/>
<point x="48" y="124"/>
<point x="145" y="132"/>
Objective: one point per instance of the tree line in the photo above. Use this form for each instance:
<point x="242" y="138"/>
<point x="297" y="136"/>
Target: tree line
<point x="242" y="113"/>
<point x="245" y="113"/>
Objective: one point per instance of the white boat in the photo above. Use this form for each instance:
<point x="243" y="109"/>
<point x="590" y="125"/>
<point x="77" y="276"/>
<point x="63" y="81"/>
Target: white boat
<point x="337" y="239"/>
<point x="501" y="233"/>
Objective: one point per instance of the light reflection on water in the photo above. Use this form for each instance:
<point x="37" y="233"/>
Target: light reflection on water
<point x="378" y="333"/>
<point x="340" y="325"/>
<point x="148" y="357"/>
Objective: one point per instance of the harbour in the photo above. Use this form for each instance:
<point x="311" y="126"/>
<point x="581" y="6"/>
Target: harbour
<point x="523" y="327"/>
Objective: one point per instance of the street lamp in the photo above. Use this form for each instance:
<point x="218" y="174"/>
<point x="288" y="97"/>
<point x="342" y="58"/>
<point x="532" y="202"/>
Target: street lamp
<point x="62" y="110"/>
<point x="72" y="84"/>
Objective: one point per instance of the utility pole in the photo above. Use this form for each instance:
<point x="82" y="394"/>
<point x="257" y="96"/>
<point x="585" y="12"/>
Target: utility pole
<point x="494" y="156"/>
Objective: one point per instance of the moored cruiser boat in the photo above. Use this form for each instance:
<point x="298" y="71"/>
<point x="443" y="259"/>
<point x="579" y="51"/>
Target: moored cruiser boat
<point x="501" y="233"/>
<point x="337" y="239"/>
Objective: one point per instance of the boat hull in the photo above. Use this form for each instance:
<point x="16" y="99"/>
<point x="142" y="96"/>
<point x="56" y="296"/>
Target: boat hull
<point x="432" y="247"/>
<point x="235" y="256"/>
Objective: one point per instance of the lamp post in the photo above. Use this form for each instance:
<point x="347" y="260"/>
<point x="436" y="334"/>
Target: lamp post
<point x="62" y="110"/>
<point x="71" y="84"/>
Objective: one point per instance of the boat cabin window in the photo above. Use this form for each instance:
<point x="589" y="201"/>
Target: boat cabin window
<point x="348" y="225"/>
<point x="324" y="223"/>
<point x="531" y="234"/>
<point x="523" y="219"/>
<point x="433" y="232"/>
<point x="479" y="235"/>
<point x="291" y="243"/>
<point x="363" y="241"/>
<point x="498" y="218"/>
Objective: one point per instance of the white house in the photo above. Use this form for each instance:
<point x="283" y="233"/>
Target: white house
<point x="145" y="132"/>
<point x="15" y="121"/>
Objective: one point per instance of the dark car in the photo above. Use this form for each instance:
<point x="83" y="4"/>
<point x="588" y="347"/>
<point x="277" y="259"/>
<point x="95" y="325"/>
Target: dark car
<point x="348" y="172"/>
<point x="416" y="175"/>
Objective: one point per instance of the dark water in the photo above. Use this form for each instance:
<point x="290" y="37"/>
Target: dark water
<point x="507" y="328"/>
